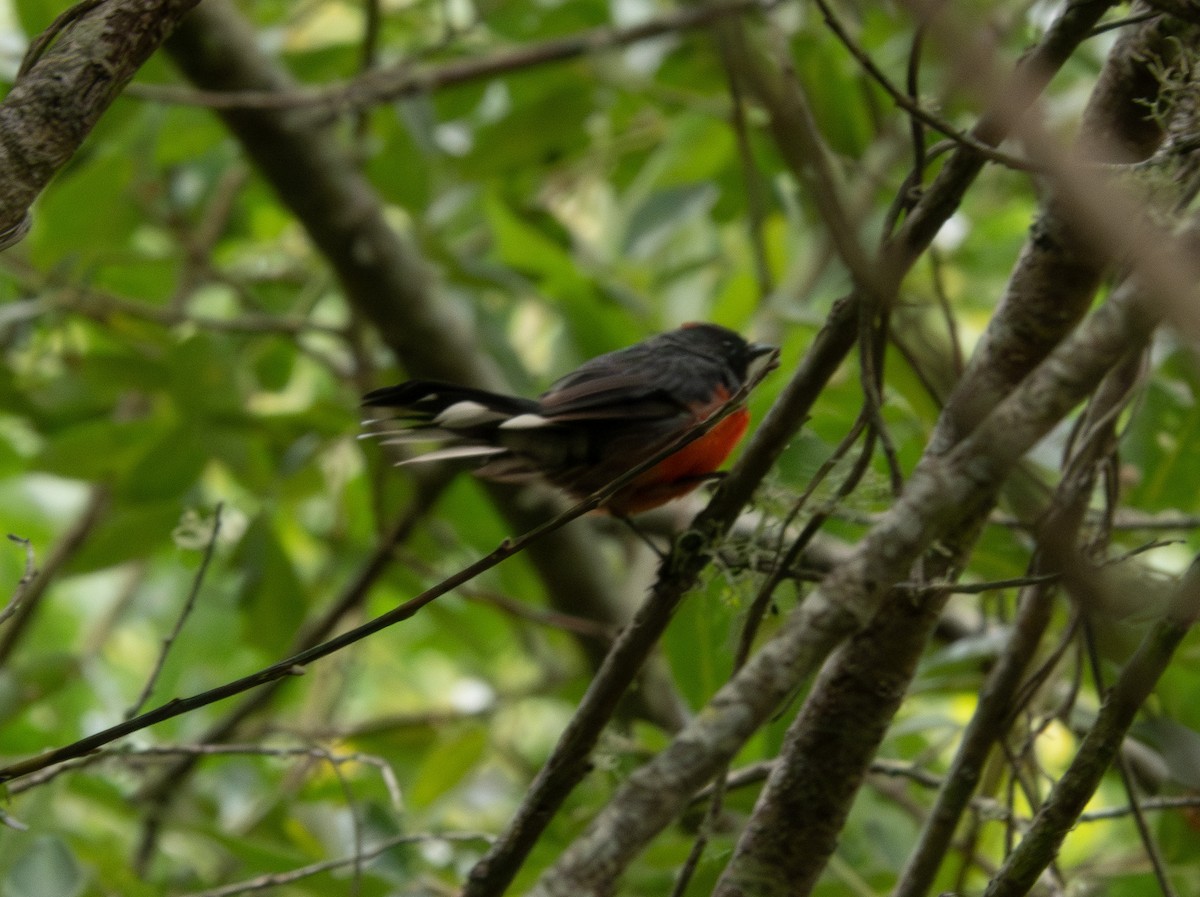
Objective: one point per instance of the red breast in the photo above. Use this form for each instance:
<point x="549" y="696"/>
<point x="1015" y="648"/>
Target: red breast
<point x="597" y="422"/>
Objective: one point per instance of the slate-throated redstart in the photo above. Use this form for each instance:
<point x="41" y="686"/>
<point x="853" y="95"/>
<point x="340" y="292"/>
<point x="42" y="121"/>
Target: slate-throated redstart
<point x="595" y="423"/>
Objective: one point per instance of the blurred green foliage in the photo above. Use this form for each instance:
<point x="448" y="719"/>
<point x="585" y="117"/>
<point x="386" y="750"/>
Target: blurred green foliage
<point x="172" y="343"/>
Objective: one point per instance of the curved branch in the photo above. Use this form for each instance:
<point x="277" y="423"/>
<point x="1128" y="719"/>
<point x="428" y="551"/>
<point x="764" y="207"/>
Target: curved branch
<point x="800" y="812"/>
<point x="1062" y="809"/>
<point x="823" y="358"/>
<point x="64" y="89"/>
<point x="941" y="494"/>
<point x="391" y="83"/>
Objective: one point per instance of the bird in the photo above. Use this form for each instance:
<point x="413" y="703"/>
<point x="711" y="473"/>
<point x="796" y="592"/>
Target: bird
<point x="594" y="424"/>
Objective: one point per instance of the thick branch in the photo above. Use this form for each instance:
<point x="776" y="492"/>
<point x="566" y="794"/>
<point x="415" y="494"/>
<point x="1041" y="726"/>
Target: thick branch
<point x="998" y="698"/>
<point x="829" y="746"/>
<point x="1059" y="814"/>
<point x="568" y="762"/>
<point x="942" y="493"/>
<point x="1058" y="272"/>
<point x="62" y="93"/>
<point x="389" y="284"/>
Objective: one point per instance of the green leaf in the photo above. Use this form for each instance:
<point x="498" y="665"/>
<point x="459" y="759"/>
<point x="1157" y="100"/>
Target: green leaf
<point x="271" y="593"/>
<point x="87" y="214"/>
<point x="127" y="533"/>
<point x="447" y="765"/>
<point x="665" y="212"/>
<point x="169" y="467"/>
<point x="700" y="642"/>
<point x="47" y="868"/>
<point x="98" y="450"/>
<point x="203" y="376"/>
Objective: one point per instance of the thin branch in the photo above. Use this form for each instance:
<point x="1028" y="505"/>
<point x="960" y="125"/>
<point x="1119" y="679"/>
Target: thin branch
<point x="294" y="665"/>
<point x="1135" y="19"/>
<point x="64" y="550"/>
<point x="755" y="201"/>
<point x="1072" y="791"/>
<point x="132" y="756"/>
<point x="27" y="577"/>
<point x="184" y="612"/>
<point x="966" y="139"/>
<point x="385" y="85"/>
<point x="1180" y="9"/>
<point x="1121" y="764"/>
<point x="916" y="131"/>
<point x="769" y="74"/>
<point x="1189" y="802"/>
<point x="276" y="879"/>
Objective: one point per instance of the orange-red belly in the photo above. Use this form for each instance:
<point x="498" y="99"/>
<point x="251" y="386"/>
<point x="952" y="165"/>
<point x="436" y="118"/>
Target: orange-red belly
<point x="680" y="473"/>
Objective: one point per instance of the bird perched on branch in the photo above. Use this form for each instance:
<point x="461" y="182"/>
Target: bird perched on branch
<point x="596" y="423"/>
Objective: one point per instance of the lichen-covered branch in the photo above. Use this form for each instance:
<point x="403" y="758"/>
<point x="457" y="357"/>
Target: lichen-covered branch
<point x="829" y="746"/>
<point x="942" y="493"/>
<point x="1061" y="810"/>
<point x="61" y="94"/>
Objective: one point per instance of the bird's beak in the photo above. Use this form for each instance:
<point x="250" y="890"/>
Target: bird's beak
<point x="764" y="358"/>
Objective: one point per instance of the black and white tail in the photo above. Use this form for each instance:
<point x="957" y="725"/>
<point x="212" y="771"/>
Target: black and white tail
<point x="468" y="423"/>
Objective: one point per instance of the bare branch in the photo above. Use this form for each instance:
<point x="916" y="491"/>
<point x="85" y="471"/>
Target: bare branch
<point x="184" y="613"/>
<point x="24" y="582"/>
<point x="941" y="493"/>
<point x="276" y="879"/>
<point x="69" y="80"/>
<point x="1073" y="790"/>
<point x="390" y="83"/>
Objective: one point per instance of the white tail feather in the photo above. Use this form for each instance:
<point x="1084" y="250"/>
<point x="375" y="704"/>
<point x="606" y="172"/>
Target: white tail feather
<point x="525" y="422"/>
<point x="467" y="414"/>
<point x="458" y="451"/>
<point x="408" y="437"/>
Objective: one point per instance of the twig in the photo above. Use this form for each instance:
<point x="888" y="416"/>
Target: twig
<point x="576" y="625"/>
<point x="964" y="139"/>
<point x="1153" y="854"/>
<point x="294" y="665"/>
<point x="938" y="281"/>
<point x="1150" y="803"/>
<point x="273" y="880"/>
<point x="23" y="583"/>
<point x="396" y="82"/>
<point x="751" y="179"/>
<point x="62" y="552"/>
<point x="184" y="612"/>
<point x="1072" y="791"/>
<point x="159" y="793"/>
<point x="1125" y="22"/>
<point x="384" y="769"/>
<point x="916" y="131"/>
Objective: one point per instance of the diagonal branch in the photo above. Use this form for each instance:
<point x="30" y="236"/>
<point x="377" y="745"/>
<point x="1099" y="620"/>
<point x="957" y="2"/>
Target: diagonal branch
<point x="829" y="746"/>
<point x="941" y="494"/>
<point x="65" y="87"/>
<point x="396" y="82"/>
<point x="823" y="358"/>
<point x="1061" y="810"/>
<point x="294" y="665"/>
